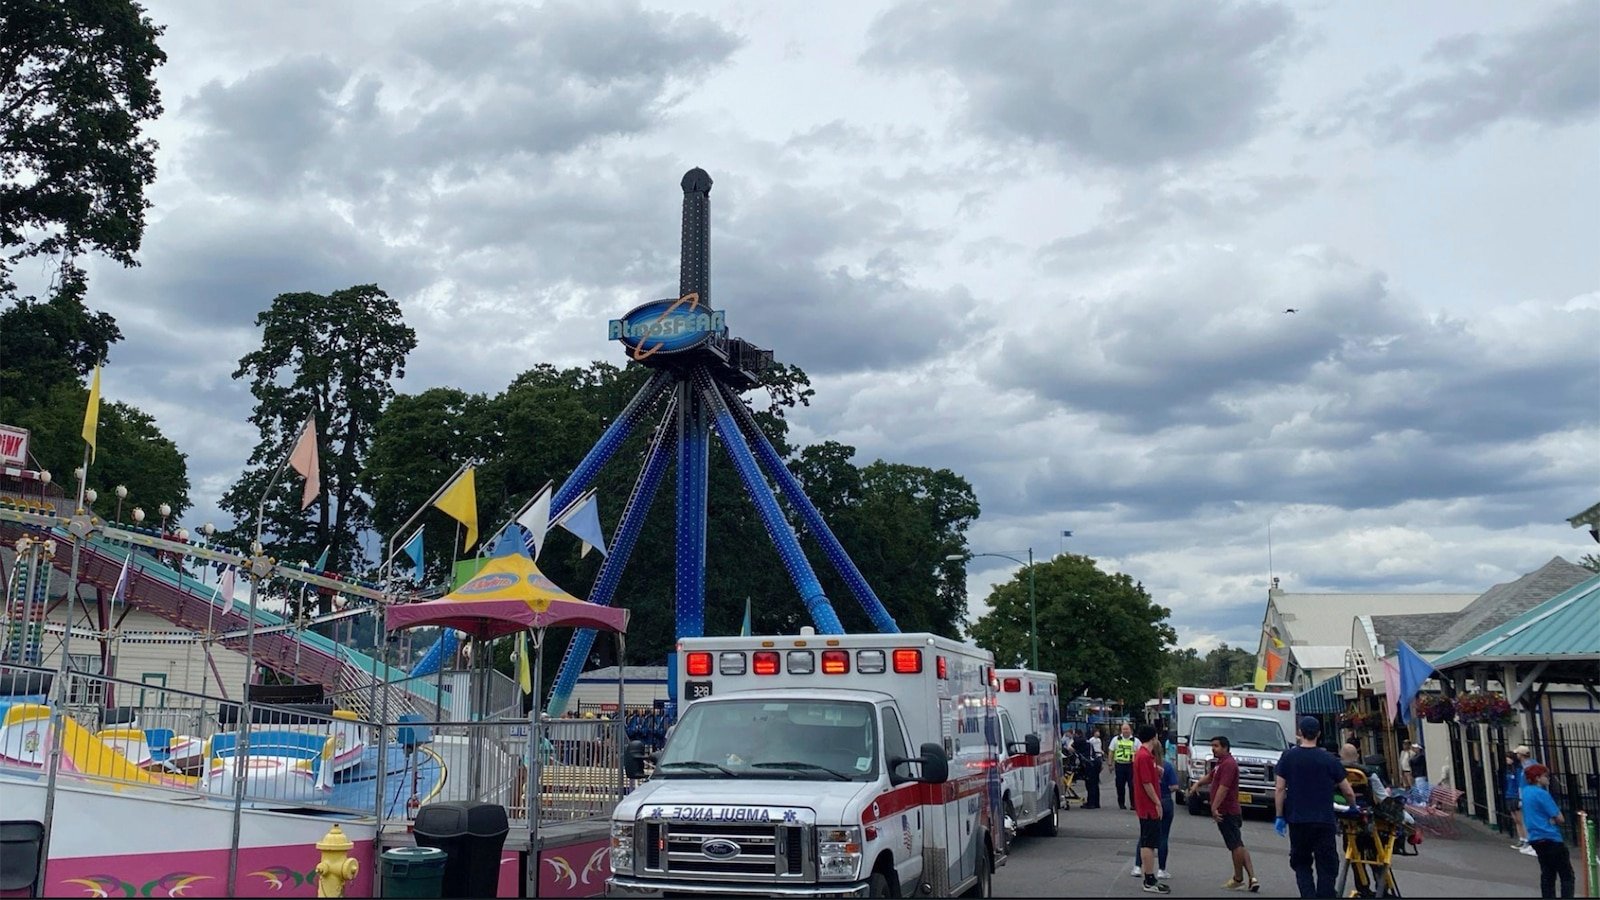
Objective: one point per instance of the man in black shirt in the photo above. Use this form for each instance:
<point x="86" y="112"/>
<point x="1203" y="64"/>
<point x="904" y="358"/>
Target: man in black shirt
<point x="1308" y="775"/>
<point x="1088" y="771"/>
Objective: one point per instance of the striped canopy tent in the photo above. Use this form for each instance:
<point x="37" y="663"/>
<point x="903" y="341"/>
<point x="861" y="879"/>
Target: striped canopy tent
<point x="1322" y="699"/>
<point x="509" y="594"/>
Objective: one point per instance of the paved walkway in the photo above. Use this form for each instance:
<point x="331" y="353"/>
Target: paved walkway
<point x="1093" y="854"/>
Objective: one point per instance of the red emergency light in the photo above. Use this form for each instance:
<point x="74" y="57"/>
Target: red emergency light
<point x="1188" y="698"/>
<point x="836" y="662"/>
<point x="764" y="662"/>
<point x="942" y="669"/>
<point x="1013" y="685"/>
<point x="908" y="661"/>
<point x="1252" y="703"/>
<point x="698" y="664"/>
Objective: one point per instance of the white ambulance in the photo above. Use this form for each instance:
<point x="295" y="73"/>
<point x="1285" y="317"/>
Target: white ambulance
<point x="1259" y="726"/>
<point x="1030" y="733"/>
<point x="819" y="766"/>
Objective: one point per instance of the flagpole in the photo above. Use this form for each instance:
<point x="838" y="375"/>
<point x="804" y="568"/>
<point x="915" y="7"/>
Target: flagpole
<point x="80" y="527"/>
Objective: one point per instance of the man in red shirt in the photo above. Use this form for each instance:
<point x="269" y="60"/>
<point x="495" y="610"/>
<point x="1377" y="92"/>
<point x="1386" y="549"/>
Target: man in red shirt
<point x="1147" y="806"/>
<point x="1226" y="812"/>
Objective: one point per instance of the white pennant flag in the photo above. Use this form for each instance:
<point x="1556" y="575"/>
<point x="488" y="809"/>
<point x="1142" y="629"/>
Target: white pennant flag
<point x="536" y="518"/>
<point x="225" y="590"/>
<point x="121" y="590"/>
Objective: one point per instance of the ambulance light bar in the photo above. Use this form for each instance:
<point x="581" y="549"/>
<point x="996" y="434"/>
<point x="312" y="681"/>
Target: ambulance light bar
<point x="1013" y="685"/>
<point x="1233" y="701"/>
<point x="902" y="660"/>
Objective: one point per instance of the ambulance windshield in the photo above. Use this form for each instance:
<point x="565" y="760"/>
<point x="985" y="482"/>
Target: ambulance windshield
<point x="1261" y="734"/>
<point x="807" y="740"/>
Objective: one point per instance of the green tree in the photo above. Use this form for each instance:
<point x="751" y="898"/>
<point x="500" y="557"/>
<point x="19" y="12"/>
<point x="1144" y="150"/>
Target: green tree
<point x="333" y="356"/>
<point x="1590" y="561"/>
<point x="76" y="87"/>
<point x="1222" y="666"/>
<point x="1101" y="633"/>
<point x="46" y="351"/>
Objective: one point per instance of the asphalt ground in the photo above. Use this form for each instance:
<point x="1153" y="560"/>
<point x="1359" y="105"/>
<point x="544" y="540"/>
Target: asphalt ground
<point x="1093" y="853"/>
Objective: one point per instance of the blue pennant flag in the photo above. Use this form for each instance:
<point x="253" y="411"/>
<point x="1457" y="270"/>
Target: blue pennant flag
<point x="744" y="630"/>
<point x="321" y="565"/>
<point x="583" y="520"/>
<point x="413" y="549"/>
<point x="1414" y="670"/>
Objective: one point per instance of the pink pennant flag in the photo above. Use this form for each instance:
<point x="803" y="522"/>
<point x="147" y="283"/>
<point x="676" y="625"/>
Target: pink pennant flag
<point x="304" y="461"/>
<point x="1391" y="687"/>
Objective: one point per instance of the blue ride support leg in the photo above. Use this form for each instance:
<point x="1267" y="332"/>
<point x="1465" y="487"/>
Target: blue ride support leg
<point x="694" y="450"/>
<point x="615" y="434"/>
<point x="796" y="495"/>
<point x="622" y="546"/>
<point x="783" y="537"/>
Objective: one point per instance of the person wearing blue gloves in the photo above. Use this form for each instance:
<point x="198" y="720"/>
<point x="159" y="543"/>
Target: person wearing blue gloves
<point x="1307" y="777"/>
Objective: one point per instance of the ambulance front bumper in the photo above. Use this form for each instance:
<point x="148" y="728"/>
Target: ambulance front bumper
<point x="623" y="885"/>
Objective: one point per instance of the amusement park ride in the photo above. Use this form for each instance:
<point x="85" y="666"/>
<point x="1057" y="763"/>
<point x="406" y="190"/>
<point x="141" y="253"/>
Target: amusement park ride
<point x="699" y="373"/>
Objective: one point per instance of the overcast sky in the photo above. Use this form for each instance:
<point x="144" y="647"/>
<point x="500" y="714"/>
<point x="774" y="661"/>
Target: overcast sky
<point x="1047" y="245"/>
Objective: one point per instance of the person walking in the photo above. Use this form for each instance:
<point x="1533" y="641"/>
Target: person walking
<point x="1228" y="814"/>
<point x="1405" y="765"/>
<point x="1307" y="777"/>
<point x="1524" y="760"/>
<point x="1123" y="748"/>
<point x="1418" y="764"/>
<point x="1511" y="783"/>
<point x="1146" y="781"/>
<point x="1543" y="819"/>
<point x="1169" y="783"/>
<point x="1088" y="768"/>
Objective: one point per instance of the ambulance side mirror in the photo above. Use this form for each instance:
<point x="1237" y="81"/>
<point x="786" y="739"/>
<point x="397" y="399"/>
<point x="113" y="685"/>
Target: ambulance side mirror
<point x="1031" y="744"/>
<point x="932" y="767"/>
<point x="633" y="758"/>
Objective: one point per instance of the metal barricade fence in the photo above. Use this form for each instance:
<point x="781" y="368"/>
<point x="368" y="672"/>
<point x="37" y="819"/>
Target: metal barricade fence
<point x="174" y="740"/>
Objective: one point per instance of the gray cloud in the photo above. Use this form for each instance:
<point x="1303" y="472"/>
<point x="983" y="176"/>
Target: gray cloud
<point x="1545" y="75"/>
<point x="1119" y="85"/>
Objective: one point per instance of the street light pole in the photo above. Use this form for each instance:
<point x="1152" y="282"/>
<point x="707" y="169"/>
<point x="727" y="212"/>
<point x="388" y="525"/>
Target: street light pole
<point x="1033" y="608"/>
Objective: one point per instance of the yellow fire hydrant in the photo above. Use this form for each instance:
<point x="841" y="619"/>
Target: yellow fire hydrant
<point x="336" y="867"/>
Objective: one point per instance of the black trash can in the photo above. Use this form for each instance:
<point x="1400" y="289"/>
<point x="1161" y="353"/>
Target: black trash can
<point x="486" y="838"/>
<point x="413" y="872"/>
<point x="20" y="845"/>
<point x="444" y="826"/>
<point x="473" y="834"/>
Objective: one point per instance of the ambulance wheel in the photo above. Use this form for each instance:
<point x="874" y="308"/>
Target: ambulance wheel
<point x="879" y="886"/>
<point x="1047" y="826"/>
<point x="1196" y="804"/>
<point x="985" y="885"/>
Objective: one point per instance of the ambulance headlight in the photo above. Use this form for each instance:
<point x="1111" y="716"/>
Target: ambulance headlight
<point x="838" y="852"/>
<point x="622" y="848"/>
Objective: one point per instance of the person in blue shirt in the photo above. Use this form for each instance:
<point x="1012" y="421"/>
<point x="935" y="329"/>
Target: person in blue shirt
<point x="1307" y="776"/>
<point x="1543" y="820"/>
<point x="1512" y="783"/>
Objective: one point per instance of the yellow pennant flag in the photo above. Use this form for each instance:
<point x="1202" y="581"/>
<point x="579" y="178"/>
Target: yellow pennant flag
<point x="91" y="414"/>
<point x="524" y="675"/>
<point x="1261" y="678"/>
<point x="460" y="501"/>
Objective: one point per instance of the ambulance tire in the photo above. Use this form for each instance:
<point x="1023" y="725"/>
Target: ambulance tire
<point x="985" y="885"/>
<point x="1196" y="804"/>
<point x="879" y="885"/>
<point x="1047" y="826"/>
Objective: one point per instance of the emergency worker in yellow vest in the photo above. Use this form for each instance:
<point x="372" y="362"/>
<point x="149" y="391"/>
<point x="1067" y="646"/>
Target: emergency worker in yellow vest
<point x="1122" y="750"/>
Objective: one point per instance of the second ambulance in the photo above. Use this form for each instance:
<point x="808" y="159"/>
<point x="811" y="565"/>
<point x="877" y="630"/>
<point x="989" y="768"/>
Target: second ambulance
<point x="1030" y="732"/>
<point x="819" y="766"/>
<point x="1258" y="726"/>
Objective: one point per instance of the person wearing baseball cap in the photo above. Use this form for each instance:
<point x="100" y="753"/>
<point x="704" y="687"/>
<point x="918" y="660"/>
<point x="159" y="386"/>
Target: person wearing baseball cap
<point x="1543" y="820"/>
<point x="1306" y="779"/>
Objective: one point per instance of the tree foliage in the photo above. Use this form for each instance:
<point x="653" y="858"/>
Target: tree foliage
<point x="1590" y="561"/>
<point x="46" y="351"/>
<point x="1222" y="666"/>
<point x="76" y="87"/>
<point x="1100" y="633"/>
<point x="332" y="356"/>
<point x="898" y="522"/>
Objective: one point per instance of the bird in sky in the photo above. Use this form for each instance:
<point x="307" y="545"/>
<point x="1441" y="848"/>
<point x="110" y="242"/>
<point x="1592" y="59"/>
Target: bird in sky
<point x="1291" y="310"/>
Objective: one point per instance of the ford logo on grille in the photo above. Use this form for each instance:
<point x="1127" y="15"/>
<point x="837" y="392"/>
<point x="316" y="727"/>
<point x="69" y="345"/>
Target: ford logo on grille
<point x="719" y="848"/>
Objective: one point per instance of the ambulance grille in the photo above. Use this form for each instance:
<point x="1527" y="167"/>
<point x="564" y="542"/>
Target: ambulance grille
<point x="766" y="852"/>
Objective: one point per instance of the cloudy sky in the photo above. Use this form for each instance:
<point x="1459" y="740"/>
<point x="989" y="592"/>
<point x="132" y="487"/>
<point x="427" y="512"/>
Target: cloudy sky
<point x="1047" y="245"/>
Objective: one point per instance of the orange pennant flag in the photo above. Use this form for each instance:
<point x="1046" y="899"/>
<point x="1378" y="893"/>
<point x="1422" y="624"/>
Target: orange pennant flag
<point x="304" y="461"/>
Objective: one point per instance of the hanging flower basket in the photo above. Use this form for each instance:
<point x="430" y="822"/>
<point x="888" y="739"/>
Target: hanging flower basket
<point x="1486" y="709"/>
<point x="1436" y="708"/>
<point x="1357" y="720"/>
